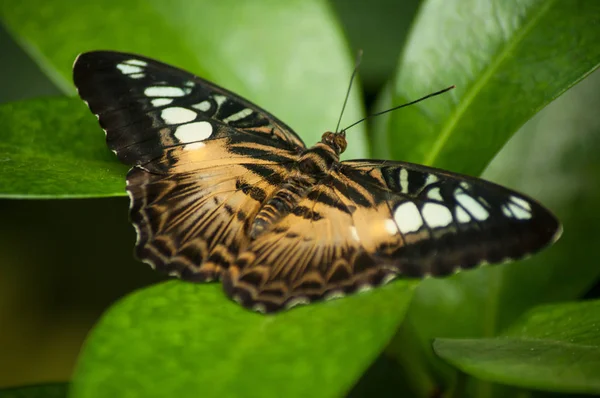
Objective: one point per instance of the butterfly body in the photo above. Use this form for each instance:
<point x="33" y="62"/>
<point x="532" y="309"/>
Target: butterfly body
<point x="221" y="189"/>
<point x="313" y="167"/>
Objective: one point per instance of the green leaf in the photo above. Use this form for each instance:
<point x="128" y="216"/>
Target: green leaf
<point x="507" y="63"/>
<point x="463" y="43"/>
<point x="187" y="340"/>
<point x="552" y="348"/>
<point x="52" y="148"/>
<point x="54" y="390"/>
<point x="547" y="160"/>
<point x="555" y="159"/>
<point x="289" y="57"/>
<point x="382" y="379"/>
<point x="379" y="28"/>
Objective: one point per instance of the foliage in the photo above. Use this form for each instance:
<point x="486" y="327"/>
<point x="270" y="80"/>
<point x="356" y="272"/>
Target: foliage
<point x="508" y="61"/>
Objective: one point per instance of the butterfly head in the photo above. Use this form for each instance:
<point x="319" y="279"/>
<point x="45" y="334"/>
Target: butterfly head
<point x="336" y="141"/>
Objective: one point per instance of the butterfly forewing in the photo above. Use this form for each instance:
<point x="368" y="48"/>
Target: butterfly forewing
<point x="146" y="106"/>
<point x="222" y="189"/>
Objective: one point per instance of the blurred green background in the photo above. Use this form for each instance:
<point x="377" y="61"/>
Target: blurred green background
<point x="63" y="262"/>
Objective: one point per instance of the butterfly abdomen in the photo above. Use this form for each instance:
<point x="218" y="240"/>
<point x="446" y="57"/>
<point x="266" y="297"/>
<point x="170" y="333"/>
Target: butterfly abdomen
<point x="283" y="201"/>
<point x="313" y="166"/>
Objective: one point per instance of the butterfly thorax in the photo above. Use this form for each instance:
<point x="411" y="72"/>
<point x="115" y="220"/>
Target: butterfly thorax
<point x="313" y="167"/>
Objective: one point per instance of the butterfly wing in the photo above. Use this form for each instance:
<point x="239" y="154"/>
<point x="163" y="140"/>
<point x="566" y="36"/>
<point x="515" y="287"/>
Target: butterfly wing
<point x="311" y="253"/>
<point x="372" y="221"/>
<point x="204" y="159"/>
<point x="141" y="103"/>
<point x="442" y="222"/>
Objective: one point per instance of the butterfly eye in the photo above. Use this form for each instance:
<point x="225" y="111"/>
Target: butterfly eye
<point x="326" y="138"/>
<point x="337" y="141"/>
<point x="341" y="143"/>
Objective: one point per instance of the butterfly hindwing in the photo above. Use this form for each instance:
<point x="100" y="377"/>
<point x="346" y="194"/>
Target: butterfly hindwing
<point x="193" y="226"/>
<point x="310" y="254"/>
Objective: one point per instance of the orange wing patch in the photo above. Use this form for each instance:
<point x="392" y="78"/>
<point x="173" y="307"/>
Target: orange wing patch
<point x="314" y="252"/>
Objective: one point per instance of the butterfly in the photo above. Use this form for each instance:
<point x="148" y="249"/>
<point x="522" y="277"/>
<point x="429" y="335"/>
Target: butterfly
<point x="222" y="190"/>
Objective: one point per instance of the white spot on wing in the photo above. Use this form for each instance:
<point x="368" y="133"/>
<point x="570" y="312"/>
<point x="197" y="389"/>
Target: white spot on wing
<point x="260" y="307"/>
<point x="238" y="116"/>
<point x="465" y="185"/>
<point x="149" y="262"/>
<point x="364" y="288"/>
<point x="137" y="233"/>
<point x="506" y="212"/>
<point x="137" y="75"/>
<point x="164" y="91"/>
<point x="408" y="218"/>
<point x="431" y="179"/>
<point x="436" y="215"/>
<point x="161" y="101"/>
<point x="297" y="301"/>
<point x="138" y="62"/>
<point x="202" y="106"/>
<point x="434" y="193"/>
<point x="521" y="202"/>
<point x="129" y="69"/>
<point x="404" y="180"/>
<point x="519" y="212"/>
<point x="473" y="206"/>
<point x="130" y="194"/>
<point x="390" y="226"/>
<point x="462" y="216"/>
<point x="388" y="278"/>
<point x="336" y="294"/>
<point x="193" y="134"/>
<point x="219" y="99"/>
<point x="177" y="115"/>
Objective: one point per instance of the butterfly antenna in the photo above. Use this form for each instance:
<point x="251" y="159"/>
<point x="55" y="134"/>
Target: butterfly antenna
<point x="401" y="106"/>
<point x="356" y="65"/>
